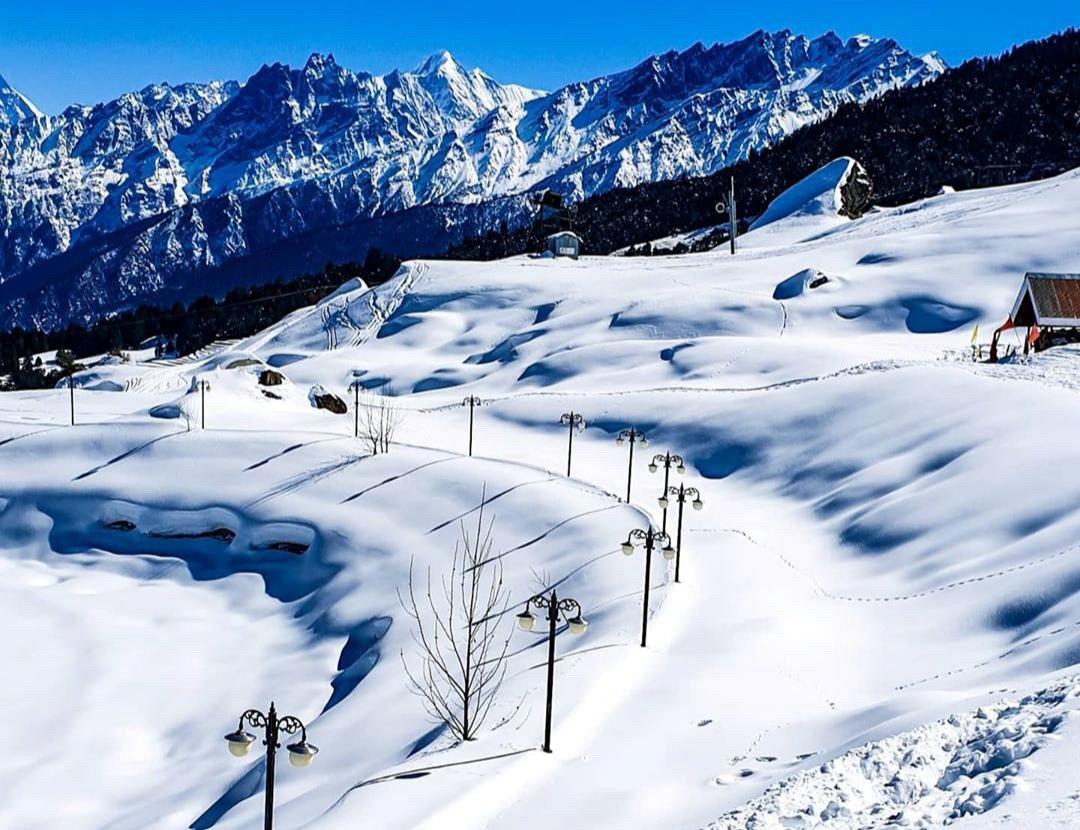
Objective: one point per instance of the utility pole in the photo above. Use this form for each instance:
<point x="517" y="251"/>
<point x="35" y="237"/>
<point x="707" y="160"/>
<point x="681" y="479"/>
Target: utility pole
<point x="71" y="391"/>
<point x="727" y="206"/>
<point x="355" y="387"/>
<point x="732" y="223"/>
<point x="472" y="402"/>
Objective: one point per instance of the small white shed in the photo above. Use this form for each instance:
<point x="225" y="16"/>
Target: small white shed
<point x="564" y="243"/>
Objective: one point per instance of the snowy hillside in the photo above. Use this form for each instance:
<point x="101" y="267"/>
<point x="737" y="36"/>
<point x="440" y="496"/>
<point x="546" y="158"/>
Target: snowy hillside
<point x="877" y="622"/>
<point x="170" y="180"/>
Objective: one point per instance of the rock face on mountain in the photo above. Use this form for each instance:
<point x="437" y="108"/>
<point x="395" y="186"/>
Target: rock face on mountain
<point x="150" y="194"/>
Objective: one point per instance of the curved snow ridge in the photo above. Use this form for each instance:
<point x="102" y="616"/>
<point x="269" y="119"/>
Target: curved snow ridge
<point x="962" y="765"/>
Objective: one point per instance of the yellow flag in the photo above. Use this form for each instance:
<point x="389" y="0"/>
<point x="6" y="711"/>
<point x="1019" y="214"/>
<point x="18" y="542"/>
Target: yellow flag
<point x="975" y="334"/>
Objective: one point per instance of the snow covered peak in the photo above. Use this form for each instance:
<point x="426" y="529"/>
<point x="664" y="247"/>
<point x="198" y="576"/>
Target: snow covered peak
<point x="440" y="61"/>
<point x="14" y="106"/>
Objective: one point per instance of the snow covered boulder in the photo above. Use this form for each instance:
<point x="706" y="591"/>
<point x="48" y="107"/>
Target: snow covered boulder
<point x="322" y="399"/>
<point x="795" y="285"/>
<point x="840" y="188"/>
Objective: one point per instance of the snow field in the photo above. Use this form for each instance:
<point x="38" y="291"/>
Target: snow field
<point x="887" y="541"/>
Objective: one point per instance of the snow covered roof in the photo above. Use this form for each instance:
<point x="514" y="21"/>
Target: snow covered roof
<point x="564" y="233"/>
<point x="1048" y="300"/>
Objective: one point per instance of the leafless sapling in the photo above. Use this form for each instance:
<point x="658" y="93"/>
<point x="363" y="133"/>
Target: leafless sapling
<point x="458" y="631"/>
<point x="379" y="418"/>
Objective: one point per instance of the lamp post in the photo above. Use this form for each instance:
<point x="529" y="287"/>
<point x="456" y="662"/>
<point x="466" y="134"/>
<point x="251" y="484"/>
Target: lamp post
<point x="355" y="387"/>
<point x="681" y="494"/>
<point x="472" y="402"/>
<point x="631" y="435"/>
<point x="667" y="459"/>
<point x="573" y="421"/>
<point x="577" y="625"/>
<point x="202" y="386"/>
<point x="71" y="393"/>
<point x="301" y="752"/>
<point x="647" y="539"/>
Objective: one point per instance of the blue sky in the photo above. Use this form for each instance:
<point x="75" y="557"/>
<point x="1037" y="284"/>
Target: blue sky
<point x="62" y="52"/>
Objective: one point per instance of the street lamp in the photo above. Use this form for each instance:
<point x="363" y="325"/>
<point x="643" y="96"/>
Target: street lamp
<point x="631" y="435"/>
<point x="576" y="624"/>
<point x="648" y="539"/>
<point x="472" y="402"/>
<point x="301" y="753"/>
<point x="202" y="386"/>
<point x="573" y="421"/>
<point x="681" y="494"/>
<point x="356" y="386"/>
<point x="667" y="459"/>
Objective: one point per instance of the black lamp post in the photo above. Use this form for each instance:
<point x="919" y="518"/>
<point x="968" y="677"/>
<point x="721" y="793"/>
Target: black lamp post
<point x="681" y="494"/>
<point x="472" y="402"/>
<point x="573" y="421"/>
<point x="355" y="386"/>
<point x="667" y="459"/>
<point x="631" y="435"/>
<point x="577" y="625"/>
<point x="648" y="539"/>
<point x="203" y="385"/>
<point x="301" y="752"/>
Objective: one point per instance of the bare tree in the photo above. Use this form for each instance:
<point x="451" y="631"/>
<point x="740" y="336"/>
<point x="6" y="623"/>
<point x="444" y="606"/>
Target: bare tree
<point x="378" y="420"/>
<point x="187" y="412"/>
<point x="457" y="631"/>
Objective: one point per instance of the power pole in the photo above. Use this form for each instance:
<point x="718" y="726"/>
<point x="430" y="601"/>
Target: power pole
<point x="732" y="224"/>
<point x="727" y="206"/>
<point x="355" y="386"/>
<point x="71" y="390"/>
<point x="472" y="402"/>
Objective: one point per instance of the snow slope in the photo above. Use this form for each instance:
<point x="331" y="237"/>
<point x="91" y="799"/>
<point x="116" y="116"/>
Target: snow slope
<point x="878" y="620"/>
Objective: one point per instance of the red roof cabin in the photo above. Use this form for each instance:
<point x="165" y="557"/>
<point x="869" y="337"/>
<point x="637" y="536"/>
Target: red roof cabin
<point x="1048" y="306"/>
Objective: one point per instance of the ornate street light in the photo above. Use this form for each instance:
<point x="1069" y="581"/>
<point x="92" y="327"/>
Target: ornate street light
<point x="648" y="539"/>
<point x="472" y="402"/>
<point x="202" y="386"/>
<point x="631" y="435"/>
<point x="573" y="421"/>
<point x="576" y="624"/>
<point x="681" y="494"/>
<point x="668" y="460"/>
<point x="301" y="753"/>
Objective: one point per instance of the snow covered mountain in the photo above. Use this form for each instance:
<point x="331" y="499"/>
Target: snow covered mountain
<point x="167" y="182"/>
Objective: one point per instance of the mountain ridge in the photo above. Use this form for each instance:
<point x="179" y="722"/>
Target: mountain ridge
<point x="191" y="176"/>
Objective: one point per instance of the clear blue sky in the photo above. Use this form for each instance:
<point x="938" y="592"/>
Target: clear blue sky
<point x="59" y="52"/>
